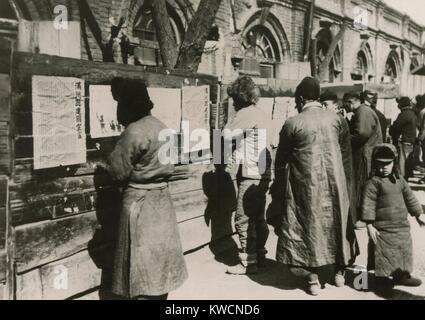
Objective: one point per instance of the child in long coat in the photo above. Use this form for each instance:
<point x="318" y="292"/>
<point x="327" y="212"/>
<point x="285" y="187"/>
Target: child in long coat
<point x="387" y="202"/>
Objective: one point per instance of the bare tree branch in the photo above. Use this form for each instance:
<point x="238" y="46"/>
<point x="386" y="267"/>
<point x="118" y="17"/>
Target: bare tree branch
<point x="196" y="36"/>
<point x="324" y="66"/>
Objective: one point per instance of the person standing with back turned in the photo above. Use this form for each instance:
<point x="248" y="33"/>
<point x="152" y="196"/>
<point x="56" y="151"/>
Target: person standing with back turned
<point x="149" y="261"/>
<point x="313" y="171"/>
<point x="250" y="134"/>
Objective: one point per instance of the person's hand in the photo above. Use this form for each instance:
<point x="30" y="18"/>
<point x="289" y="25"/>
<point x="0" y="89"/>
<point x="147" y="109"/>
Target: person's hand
<point x="421" y="221"/>
<point x="373" y="233"/>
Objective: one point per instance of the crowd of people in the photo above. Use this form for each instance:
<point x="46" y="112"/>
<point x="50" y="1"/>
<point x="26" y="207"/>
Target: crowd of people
<point x="327" y="176"/>
<point x="331" y="176"/>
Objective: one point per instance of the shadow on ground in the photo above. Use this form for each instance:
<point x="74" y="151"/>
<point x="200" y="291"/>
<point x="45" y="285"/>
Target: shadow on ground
<point x="365" y="281"/>
<point x="220" y="189"/>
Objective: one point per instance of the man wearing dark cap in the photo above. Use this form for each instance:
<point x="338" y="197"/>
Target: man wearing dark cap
<point x="371" y="99"/>
<point x="365" y="135"/>
<point x="403" y="133"/>
<point x="329" y="101"/>
<point x="313" y="172"/>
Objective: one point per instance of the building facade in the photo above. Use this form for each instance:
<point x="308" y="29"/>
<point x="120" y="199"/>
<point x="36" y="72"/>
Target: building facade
<point x="380" y="45"/>
<point x="266" y="39"/>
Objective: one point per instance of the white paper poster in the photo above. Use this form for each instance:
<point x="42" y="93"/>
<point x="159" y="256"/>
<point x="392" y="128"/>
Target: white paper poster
<point x="231" y="112"/>
<point x="284" y="108"/>
<point x="196" y="115"/>
<point x="196" y="106"/>
<point x="58" y="121"/>
<point x="167" y="106"/>
<point x="103" y="113"/>
<point x="266" y="105"/>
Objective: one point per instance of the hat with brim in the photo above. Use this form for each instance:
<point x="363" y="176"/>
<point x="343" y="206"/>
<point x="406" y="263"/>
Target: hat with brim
<point x="404" y="102"/>
<point x="328" y="96"/>
<point x="384" y="153"/>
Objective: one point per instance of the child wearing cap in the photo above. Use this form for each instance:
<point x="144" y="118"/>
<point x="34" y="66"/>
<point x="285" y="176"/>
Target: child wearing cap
<point x="387" y="201"/>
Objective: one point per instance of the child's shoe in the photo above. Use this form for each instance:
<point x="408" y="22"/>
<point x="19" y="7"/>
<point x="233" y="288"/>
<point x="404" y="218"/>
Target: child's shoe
<point x="407" y="281"/>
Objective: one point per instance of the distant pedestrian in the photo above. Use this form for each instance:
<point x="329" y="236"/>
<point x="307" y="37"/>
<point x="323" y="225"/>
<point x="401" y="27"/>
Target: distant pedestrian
<point x="403" y="133"/>
<point x="371" y="99"/>
<point x="366" y="134"/>
<point x="387" y="202"/>
<point x="420" y="105"/>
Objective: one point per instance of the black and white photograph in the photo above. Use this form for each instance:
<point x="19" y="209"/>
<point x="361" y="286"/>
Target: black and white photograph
<point x="215" y="153"/>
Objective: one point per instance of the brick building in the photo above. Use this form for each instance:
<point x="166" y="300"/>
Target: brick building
<point x="263" y="38"/>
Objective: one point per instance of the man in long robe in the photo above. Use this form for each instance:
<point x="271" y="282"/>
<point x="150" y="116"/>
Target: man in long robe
<point x="313" y="171"/>
<point x="366" y="134"/>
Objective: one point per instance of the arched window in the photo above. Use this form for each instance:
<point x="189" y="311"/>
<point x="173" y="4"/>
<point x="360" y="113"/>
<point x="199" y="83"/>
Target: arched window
<point x="264" y="45"/>
<point x="392" y="68"/>
<point x="361" y="69"/>
<point x="414" y="64"/>
<point x="144" y="29"/>
<point x="260" y="44"/>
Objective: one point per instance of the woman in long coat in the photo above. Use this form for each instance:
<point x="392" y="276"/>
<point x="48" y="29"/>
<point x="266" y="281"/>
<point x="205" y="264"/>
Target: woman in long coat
<point x="149" y="260"/>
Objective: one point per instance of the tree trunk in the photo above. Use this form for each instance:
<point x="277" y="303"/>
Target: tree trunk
<point x="308" y="32"/>
<point x="196" y="35"/>
<point x="313" y="58"/>
<point x="324" y="66"/>
<point x="164" y="32"/>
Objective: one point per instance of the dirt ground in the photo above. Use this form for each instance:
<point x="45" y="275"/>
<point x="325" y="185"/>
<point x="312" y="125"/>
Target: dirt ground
<point x="208" y="279"/>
